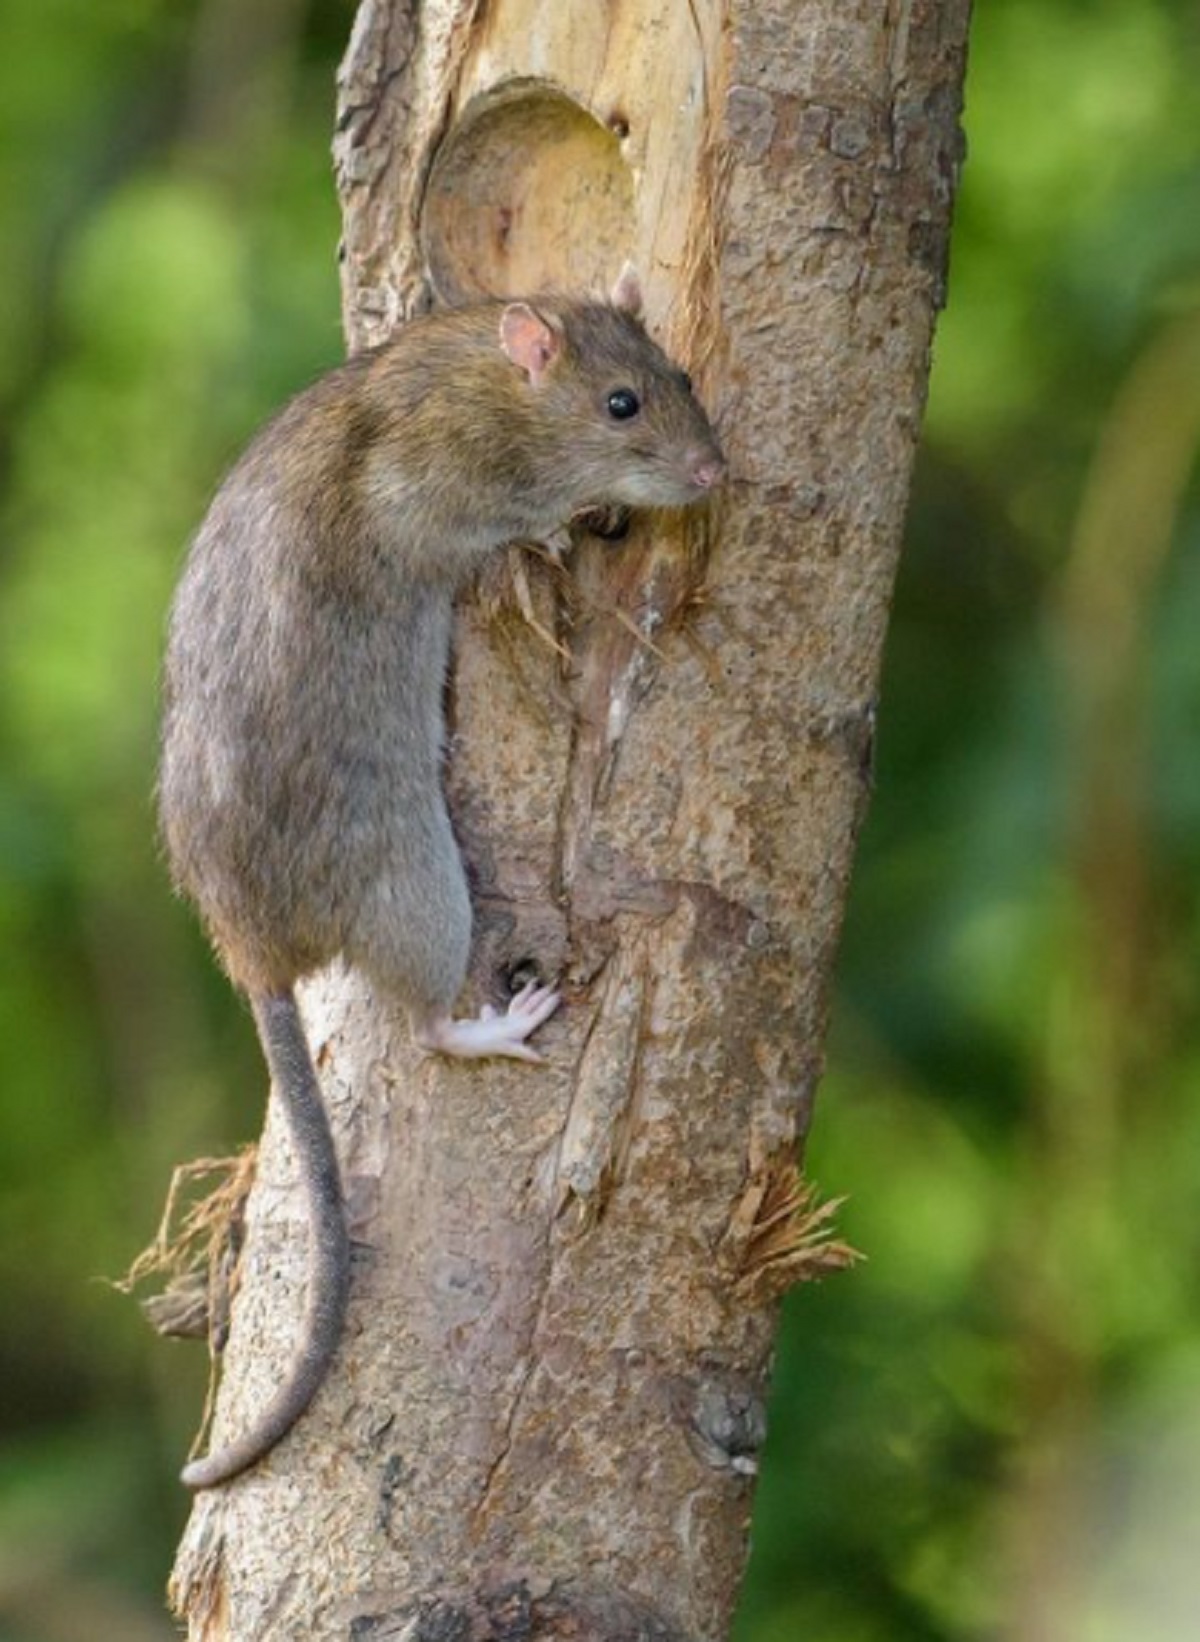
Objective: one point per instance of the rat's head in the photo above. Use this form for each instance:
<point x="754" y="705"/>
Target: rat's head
<point x="625" y="421"/>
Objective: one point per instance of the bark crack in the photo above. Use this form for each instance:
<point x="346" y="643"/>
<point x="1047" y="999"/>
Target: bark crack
<point x="529" y="1366"/>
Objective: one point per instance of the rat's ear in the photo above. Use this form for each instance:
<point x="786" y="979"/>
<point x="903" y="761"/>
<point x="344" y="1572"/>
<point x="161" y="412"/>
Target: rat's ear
<point x="529" y="340"/>
<point x="627" y="292"/>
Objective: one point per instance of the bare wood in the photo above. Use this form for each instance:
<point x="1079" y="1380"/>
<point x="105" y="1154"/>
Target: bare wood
<point x="546" y="1411"/>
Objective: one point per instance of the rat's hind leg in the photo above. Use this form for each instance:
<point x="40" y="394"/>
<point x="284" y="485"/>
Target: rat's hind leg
<point x="413" y="937"/>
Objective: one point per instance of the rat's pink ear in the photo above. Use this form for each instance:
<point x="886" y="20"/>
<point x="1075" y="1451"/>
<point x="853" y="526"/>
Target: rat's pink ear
<point x="627" y="292"/>
<point x="529" y="340"/>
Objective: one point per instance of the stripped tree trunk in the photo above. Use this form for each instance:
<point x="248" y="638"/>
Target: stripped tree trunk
<point x="544" y="1418"/>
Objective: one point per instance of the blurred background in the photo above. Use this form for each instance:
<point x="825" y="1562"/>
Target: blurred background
<point x="992" y="1427"/>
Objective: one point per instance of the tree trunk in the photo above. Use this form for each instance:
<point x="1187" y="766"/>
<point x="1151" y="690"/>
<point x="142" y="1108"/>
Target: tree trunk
<point x="545" y="1415"/>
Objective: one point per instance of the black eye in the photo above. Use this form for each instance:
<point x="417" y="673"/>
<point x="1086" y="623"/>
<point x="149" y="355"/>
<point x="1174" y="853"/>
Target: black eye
<point x="686" y="380"/>
<point x="623" y="403"/>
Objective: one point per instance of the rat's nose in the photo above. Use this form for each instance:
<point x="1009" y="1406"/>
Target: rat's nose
<point x="705" y="468"/>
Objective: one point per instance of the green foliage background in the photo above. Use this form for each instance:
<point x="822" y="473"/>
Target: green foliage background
<point x="992" y="1428"/>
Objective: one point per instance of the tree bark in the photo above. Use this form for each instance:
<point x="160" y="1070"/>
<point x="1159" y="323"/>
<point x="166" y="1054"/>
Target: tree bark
<point x="545" y="1415"/>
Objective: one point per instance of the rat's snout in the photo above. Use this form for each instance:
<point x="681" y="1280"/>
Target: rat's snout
<point x="705" y="468"/>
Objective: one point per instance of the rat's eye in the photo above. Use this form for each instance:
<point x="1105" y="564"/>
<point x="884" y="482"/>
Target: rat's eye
<point x="623" y="403"/>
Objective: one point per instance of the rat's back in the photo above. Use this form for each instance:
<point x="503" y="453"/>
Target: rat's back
<point x="302" y="689"/>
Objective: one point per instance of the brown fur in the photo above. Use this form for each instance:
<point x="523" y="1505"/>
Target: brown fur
<point x="300" y="791"/>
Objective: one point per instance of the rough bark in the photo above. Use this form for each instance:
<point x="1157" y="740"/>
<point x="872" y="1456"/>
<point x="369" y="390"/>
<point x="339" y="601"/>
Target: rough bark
<point x="545" y="1415"/>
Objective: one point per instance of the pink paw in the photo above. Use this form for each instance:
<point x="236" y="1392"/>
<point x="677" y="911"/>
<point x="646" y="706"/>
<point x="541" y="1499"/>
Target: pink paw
<point x="494" y="1033"/>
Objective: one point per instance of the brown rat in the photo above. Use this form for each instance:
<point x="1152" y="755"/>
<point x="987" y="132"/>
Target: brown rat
<point x="300" y="788"/>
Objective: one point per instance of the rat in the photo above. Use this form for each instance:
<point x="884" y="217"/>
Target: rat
<point x="299" y="790"/>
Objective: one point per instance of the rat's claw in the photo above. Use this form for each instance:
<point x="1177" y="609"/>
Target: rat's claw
<point x="521" y="1051"/>
<point x="534" y="1003"/>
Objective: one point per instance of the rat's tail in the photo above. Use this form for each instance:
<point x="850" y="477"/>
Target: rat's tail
<point x="295" y="1080"/>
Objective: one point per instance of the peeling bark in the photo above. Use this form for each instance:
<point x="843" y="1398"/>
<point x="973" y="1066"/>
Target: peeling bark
<point x="545" y="1417"/>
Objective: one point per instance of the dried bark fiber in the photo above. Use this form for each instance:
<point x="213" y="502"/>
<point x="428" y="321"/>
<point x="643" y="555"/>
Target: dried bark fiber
<point x="545" y="1415"/>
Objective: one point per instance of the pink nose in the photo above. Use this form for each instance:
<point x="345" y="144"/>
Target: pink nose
<point x="706" y="470"/>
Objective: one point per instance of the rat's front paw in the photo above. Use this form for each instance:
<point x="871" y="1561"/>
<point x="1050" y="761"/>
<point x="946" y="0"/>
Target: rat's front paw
<point x="493" y="1033"/>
